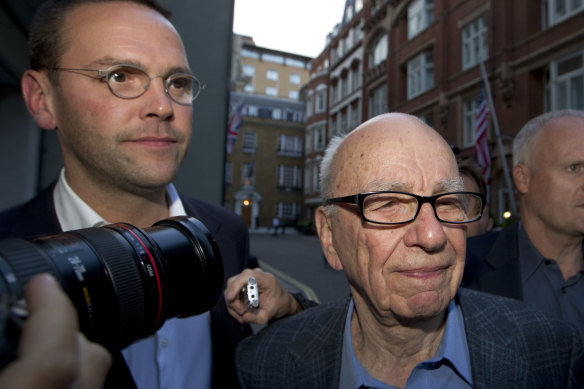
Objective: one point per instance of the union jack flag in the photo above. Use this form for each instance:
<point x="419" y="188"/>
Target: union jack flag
<point x="481" y="141"/>
<point x="233" y="127"/>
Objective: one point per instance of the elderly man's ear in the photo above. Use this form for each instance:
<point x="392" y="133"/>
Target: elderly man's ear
<point x="37" y="93"/>
<point x="324" y="230"/>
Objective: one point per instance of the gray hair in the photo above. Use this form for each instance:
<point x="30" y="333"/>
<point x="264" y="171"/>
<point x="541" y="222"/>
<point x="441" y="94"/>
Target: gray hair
<point x="522" y="144"/>
<point x="326" y="170"/>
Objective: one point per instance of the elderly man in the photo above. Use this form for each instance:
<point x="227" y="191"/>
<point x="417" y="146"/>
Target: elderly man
<point x="395" y="224"/>
<point x="540" y="259"/>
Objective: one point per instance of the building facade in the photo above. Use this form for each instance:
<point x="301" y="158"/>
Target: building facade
<point x="264" y="166"/>
<point x="425" y="57"/>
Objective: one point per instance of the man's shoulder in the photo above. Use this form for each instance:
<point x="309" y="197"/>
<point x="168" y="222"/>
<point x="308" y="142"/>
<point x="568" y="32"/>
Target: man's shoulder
<point x="519" y="343"/>
<point x="34" y="217"/>
<point x="303" y="350"/>
<point x="304" y="328"/>
<point x="509" y="317"/>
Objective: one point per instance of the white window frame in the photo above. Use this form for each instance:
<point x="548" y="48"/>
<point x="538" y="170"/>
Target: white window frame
<point x="272" y="74"/>
<point x="378" y="100"/>
<point x="474" y="42"/>
<point x="420" y="74"/>
<point x="295" y="78"/>
<point x="564" y="88"/>
<point x="560" y="10"/>
<point x="290" y="145"/>
<point x="271" y="91"/>
<point x="420" y="16"/>
<point x="378" y="52"/>
<point x="249" y="143"/>
<point x="319" y="138"/>
<point x="320" y="94"/>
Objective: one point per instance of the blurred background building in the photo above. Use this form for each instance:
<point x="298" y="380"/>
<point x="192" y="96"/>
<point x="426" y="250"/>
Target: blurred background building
<point x="266" y="115"/>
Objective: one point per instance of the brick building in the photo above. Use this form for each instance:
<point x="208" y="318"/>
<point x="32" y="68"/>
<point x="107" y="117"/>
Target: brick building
<point x="263" y="173"/>
<point x="423" y="57"/>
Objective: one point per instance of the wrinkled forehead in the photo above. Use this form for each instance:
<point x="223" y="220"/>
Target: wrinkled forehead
<point x="401" y="155"/>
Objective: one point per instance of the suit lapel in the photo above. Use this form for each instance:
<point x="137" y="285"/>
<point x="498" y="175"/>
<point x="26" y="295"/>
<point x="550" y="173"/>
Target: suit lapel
<point x="504" y="279"/>
<point x="494" y="362"/>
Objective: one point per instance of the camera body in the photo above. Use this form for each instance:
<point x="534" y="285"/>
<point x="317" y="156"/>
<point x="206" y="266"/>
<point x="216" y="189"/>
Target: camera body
<point x="124" y="282"/>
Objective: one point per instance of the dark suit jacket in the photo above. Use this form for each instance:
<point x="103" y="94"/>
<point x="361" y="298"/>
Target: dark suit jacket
<point x="38" y="217"/>
<point x="492" y="263"/>
<point x="510" y="346"/>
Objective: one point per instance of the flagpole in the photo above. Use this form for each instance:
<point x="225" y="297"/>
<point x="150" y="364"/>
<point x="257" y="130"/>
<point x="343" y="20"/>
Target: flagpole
<point x="499" y="141"/>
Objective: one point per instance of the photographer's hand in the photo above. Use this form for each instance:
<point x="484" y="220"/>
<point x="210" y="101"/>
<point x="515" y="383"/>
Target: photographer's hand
<point x="52" y="352"/>
<point x="275" y="301"/>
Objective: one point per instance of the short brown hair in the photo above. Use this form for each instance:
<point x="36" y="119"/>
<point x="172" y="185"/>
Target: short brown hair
<point x="46" y="44"/>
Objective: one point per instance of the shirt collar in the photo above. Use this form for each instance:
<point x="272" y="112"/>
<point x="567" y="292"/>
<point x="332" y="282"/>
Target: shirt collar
<point x="529" y="257"/>
<point x="453" y="347"/>
<point x="73" y="213"/>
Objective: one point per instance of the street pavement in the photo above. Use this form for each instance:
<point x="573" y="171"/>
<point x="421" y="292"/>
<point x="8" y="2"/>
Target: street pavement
<point x="298" y="263"/>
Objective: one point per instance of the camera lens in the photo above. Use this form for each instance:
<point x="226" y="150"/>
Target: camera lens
<point x="124" y="281"/>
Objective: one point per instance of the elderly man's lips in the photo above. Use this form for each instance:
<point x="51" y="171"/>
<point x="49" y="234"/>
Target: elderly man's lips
<point x="425" y="272"/>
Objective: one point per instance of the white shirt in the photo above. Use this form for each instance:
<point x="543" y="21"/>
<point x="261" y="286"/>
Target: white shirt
<point x="178" y="355"/>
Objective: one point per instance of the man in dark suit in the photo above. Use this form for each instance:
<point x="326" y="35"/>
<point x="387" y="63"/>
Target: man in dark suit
<point x="539" y="259"/>
<point x="112" y="79"/>
<point x="394" y="222"/>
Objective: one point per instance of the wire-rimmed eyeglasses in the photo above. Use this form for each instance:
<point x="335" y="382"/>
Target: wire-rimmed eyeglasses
<point x="130" y="81"/>
<point x="392" y="207"/>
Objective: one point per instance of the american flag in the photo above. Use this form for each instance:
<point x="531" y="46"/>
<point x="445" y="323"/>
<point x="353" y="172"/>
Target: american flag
<point x="233" y="127"/>
<point x="481" y="141"/>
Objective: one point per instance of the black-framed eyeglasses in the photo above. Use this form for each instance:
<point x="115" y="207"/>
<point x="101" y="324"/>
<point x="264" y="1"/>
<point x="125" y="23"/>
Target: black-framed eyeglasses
<point x="130" y="81"/>
<point x="391" y="207"/>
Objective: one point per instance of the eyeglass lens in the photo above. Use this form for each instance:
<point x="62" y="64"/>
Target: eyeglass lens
<point x="398" y="207"/>
<point x="130" y="82"/>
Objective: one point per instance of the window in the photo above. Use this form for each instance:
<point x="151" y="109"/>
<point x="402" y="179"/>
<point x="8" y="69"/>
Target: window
<point x="469" y="117"/>
<point x="420" y="16"/>
<point x="295" y="62"/>
<point x="474" y="42"/>
<point x="320" y="99"/>
<point x="289" y="176"/>
<point x="248" y="70"/>
<point x="319" y="138"/>
<point x="276" y="114"/>
<point x="273" y="58"/>
<point x="564" y="86"/>
<point x="309" y="103"/>
<point x="559" y="10"/>
<point x="293" y="94"/>
<point x="290" y="145"/>
<point x="378" y="52"/>
<point x="247" y="174"/>
<point x="355" y="80"/>
<point x="248" y="88"/>
<point x="307" y="188"/>
<point x="420" y="74"/>
<point x="271" y="91"/>
<point x="249" y="141"/>
<point x="378" y="101"/>
<point x="250" y="54"/>
<point x="343" y="119"/>
<point x="355" y="116"/>
<point x="251" y="110"/>
<point x="295" y="78"/>
<point x="288" y="210"/>
<point x="308" y="142"/>
<point x="272" y="74"/>
<point x="316" y="176"/>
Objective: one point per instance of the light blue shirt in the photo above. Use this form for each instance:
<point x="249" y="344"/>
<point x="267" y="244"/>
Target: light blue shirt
<point x="178" y="355"/>
<point x="448" y="368"/>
